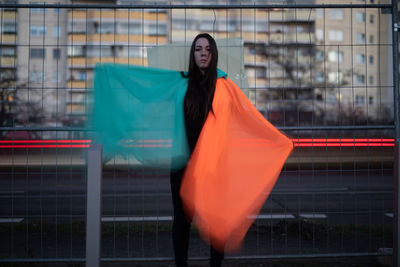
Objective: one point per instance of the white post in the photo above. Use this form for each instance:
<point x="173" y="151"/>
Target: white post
<point x="93" y="208"/>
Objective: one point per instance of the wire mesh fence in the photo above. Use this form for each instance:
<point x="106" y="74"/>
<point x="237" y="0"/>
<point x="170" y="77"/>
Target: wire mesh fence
<point x="321" y="73"/>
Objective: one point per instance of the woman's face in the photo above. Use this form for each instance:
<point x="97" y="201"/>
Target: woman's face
<point x="202" y="54"/>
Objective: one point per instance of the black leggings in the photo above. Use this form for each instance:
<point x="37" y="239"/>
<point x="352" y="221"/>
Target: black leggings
<point x="181" y="227"/>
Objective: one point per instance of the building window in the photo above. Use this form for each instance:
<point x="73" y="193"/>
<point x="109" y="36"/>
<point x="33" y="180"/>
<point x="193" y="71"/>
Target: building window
<point x="360" y="38"/>
<point x="137" y="52"/>
<point x="336" y="36"/>
<point x="100" y="51"/>
<point x="319" y="34"/>
<point x="371" y="80"/>
<point x="122" y="28"/>
<point x="154" y="30"/>
<point x="36" y="76"/>
<point x="336" y="14"/>
<point x="104" y="27"/>
<point x="335" y="56"/>
<point x="261" y="26"/>
<point x="360" y="58"/>
<point x="207" y="26"/>
<point x="56" y="76"/>
<point x="360" y="100"/>
<point x="7" y="51"/>
<point x="319" y="78"/>
<point x="38" y="30"/>
<point x="371" y="100"/>
<point x="320" y="13"/>
<point x="38" y="10"/>
<point x="56" y="31"/>
<point x="319" y="56"/>
<point x="332" y="98"/>
<point x="255" y="72"/>
<point x="371" y="60"/>
<point x="335" y="77"/>
<point x="360" y="16"/>
<point x="371" y="18"/>
<point x="135" y="28"/>
<point x="56" y="53"/>
<point x="360" y="79"/>
<point x="371" y="39"/>
<point x="179" y="24"/>
<point x="37" y="53"/>
<point x="76" y="51"/>
<point x="81" y="76"/>
<point x="8" y="28"/>
<point x="273" y="28"/>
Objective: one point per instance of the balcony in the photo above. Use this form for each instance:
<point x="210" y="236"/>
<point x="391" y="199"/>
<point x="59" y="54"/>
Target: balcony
<point x="292" y="38"/>
<point x="119" y="14"/>
<point x="254" y="37"/>
<point x="257" y="82"/>
<point x="75" y="108"/>
<point x="77" y="84"/>
<point x="9" y="62"/>
<point x="254" y="59"/>
<point x="84" y="62"/>
<point x="292" y="16"/>
<point x="116" y="38"/>
<point x="9" y="15"/>
<point x="8" y="38"/>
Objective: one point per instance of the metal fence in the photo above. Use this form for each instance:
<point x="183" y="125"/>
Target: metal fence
<point x="324" y="74"/>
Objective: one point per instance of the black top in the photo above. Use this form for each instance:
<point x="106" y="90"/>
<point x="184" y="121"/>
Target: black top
<point x="194" y="125"/>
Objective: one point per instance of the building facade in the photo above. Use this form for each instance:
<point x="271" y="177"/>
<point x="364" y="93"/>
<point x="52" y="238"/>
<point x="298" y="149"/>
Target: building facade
<point x="354" y="65"/>
<point x="303" y="66"/>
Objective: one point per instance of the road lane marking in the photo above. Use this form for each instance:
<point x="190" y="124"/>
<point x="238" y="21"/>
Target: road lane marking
<point x="137" y="219"/>
<point x="11" y="220"/>
<point x="313" y="215"/>
<point x="170" y="218"/>
<point x="272" y="216"/>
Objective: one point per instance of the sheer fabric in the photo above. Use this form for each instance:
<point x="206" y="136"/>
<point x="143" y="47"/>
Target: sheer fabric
<point x="235" y="163"/>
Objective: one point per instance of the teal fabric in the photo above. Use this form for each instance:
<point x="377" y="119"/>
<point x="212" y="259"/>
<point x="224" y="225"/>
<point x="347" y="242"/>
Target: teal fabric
<point x="139" y="111"/>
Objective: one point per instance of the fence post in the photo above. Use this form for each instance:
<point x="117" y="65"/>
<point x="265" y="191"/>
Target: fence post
<point x="396" y="206"/>
<point x="93" y="207"/>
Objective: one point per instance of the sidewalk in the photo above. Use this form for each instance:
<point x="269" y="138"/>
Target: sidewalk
<point x="371" y="261"/>
<point x="312" y="157"/>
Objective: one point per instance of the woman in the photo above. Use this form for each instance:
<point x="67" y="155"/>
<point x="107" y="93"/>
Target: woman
<point x="202" y="77"/>
<point x="234" y="161"/>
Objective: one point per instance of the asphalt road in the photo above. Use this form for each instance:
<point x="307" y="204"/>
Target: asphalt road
<point x="42" y="214"/>
<point x="335" y="195"/>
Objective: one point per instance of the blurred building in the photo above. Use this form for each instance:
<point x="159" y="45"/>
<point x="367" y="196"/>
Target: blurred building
<point x="42" y="61"/>
<point x="303" y="66"/>
<point x="107" y="35"/>
<point x="8" y="64"/>
<point x="290" y="50"/>
<point x="277" y="42"/>
<point x="354" y="64"/>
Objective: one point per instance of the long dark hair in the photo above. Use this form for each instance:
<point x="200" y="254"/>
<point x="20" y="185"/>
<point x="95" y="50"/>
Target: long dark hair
<point x="201" y="85"/>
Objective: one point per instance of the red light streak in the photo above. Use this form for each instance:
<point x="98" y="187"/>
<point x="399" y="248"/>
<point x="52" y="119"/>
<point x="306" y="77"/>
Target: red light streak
<point x="298" y="142"/>
<point x="44" y="146"/>
<point x="42" y="141"/>
<point x="345" y="142"/>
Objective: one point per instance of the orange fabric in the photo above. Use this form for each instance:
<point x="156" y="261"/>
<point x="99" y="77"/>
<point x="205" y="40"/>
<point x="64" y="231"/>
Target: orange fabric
<point x="235" y="164"/>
